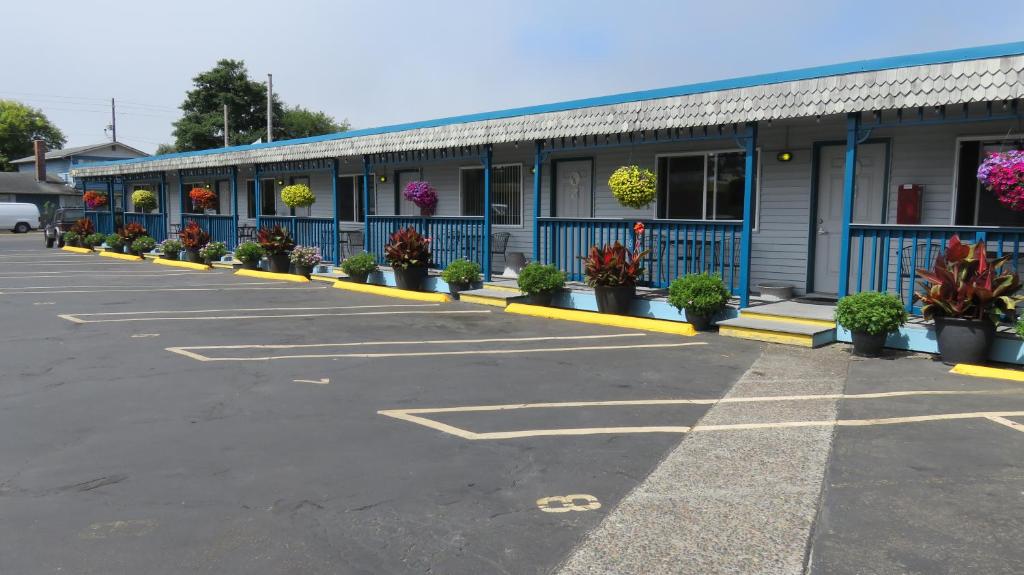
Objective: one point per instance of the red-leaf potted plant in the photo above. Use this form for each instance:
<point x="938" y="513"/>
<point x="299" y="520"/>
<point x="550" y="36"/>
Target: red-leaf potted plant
<point x="966" y="294"/>
<point x="613" y="271"/>
<point x="408" y="254"/>
<point x="129" y="234"/>
<point x="276" y="242"/>
<point x="193" y="238"/>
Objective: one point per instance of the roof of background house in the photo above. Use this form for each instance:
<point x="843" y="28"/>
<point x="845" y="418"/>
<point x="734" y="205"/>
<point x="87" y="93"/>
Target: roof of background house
<point x="980" y="74"/>
<point x="79" y="151"/>
<point x="25" y="183"/>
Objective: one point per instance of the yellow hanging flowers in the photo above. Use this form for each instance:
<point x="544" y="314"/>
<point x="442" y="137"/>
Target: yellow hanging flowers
<point x="297" y="196"/>
<point x="143" y="200"/>
<point x="633" y="186"/>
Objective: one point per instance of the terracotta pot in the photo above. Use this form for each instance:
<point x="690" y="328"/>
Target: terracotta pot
<point x="614" y="299"/>
<point x="410" y="278"/>
<point x="867" y="344"/>
<point x="279" y="263"/>
<point x="964" y="340"/>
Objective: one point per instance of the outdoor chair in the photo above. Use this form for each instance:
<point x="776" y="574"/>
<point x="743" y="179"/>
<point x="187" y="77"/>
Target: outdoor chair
<point x="499" y="243"/>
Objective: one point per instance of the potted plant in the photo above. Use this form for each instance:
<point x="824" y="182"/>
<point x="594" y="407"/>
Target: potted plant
<point x="613" y="272"/>
<point x="423" y="195"/>
<point x="966" y="294"/>
<point x="408" y="254"/>
<point x="460" y="274"/>
<point x="93" y="199"/>
<point x="92" y="240"/>
<point x="359" y="267"/>
<point x="276" y="243"/>
<point x="193" y="238"/>
<point x="144" y="201"/>
<point x="870" y="317"/>
<point x="213" y="252"/>
<point x="72" y="239"/>
<point x="540" y="282"/>
<point x="305" y="258"/>
<point x="250" y="254"/>
<point x="633" y="186"/>
<point x="297" y="196"/>
<point x="170" y="249"/>
<point x="1000" y="173"/>
<point x="142" y="245"/>
<point x="202" y="200"/>
<point x="701" y="296"/>
<point x="83" y="227"/>
<point x="115" y="243"/>
<point x="130" y="233"/>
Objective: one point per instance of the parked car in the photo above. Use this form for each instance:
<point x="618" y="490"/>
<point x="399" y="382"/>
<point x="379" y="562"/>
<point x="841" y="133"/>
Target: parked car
<point x="19" y="217"/>
<point x="62" y="221"/>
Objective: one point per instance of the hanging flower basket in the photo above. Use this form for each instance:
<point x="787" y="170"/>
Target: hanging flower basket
<point x="1003" y="175"/>
<point x="633" y="186"/>
<point x="203" y="199"/>
<point x="297" y="196"/>
<point x="423" y="195"/>
<point x="94" y="200"/>
<point x="143" y="200"/>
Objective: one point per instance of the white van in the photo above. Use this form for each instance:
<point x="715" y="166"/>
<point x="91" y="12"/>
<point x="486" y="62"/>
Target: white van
<point x="18" y="217"/>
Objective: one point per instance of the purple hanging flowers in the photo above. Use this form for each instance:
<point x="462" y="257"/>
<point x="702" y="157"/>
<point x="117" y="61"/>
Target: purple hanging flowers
<point x="1003" y="175"/>
<point x="423" y="195"/>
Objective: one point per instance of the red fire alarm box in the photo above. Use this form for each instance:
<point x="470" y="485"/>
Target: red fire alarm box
<point x="908" y="204"/>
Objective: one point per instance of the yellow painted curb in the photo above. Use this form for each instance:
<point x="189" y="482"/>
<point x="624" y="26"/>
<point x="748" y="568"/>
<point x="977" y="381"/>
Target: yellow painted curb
<point x="223" y="265"/>
<point x="392" y="292"/>
<point x="323" y="278"/>
<point x="181" y="264"/>
<point x="990" y="372"/>
<point x="624" y="321"/>
<point x="483" y="300"/>
<point x="75" y="250"/>
<point x="787" y="319"/>
<point x="766" y="335"/>
<point x="272" y="276"/>
<point x="118" y="256"/>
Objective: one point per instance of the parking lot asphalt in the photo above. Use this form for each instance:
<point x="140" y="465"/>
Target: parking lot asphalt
<point x="158" y="420"/>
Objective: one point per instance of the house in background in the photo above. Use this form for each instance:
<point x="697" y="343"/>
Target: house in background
<point x="36" y="186"/>
<point x="60" y="162"/>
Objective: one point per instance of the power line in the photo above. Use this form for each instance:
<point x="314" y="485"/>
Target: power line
<point x="85" y="101"/>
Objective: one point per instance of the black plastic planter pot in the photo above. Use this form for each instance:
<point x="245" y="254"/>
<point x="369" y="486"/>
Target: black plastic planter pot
<point x="279" y="263"/>
<point x="251" y="265"/>
<point x="169" y="255"/>
<point x="194" y="257"/>
<point x="358" y="278"/>
<point x="614" y="299"/>
<point x="698" y="321"/>
<point x="964" y="340"/>
<point x="410" y="278"/>
<point x="455" y="288"/>
<point x="868" y="344"/>
<point x="543" y="298"/>
<point x="304" y="271"/>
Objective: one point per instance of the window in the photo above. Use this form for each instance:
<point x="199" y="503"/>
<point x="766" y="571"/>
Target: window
<point x="404" y="207"/>
<point x="350" y="198"/>
<point x="704" y="186"/>
<point x="976" y="206"/>
<point x="223" y="190"/>
<point x="506" y="193"/>
<point x="189" y="186"/>
<point x="267" y="199"/>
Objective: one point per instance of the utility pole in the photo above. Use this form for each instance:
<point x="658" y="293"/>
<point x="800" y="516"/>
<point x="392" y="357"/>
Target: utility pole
<point x="226" y="125"/>
<point x="270" y="107"/>
<point x="113" y="119"/>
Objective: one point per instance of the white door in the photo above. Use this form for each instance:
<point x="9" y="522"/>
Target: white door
<point x="405" y="207"/>
<point x="868" y="197"/>
<point x="573" y="186"/>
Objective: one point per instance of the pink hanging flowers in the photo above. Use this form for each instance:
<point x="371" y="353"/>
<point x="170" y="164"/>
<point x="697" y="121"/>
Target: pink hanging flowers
<point x="1003" y="174"/>
<point x="423" y="195"/>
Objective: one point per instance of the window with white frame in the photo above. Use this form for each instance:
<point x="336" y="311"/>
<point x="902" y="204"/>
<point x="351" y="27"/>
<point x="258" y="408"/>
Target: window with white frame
<point x="506" y="193"/>
<point x="350" y="197"/>
<point x="975" y="205"/>
<point x="702" y="186"/>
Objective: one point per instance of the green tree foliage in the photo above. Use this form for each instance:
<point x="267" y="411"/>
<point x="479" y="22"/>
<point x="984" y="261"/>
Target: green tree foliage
<point x="165" y="149"/>
<point x="19" y="125"/>
<point x="299" y="122"/>
<point x="202" y="122"/>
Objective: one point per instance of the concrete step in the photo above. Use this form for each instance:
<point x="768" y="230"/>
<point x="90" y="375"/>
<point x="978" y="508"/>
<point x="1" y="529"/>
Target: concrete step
<point x="489" y="295"/>
<point x="811" y="314"/>
<point x="778" y="331"/>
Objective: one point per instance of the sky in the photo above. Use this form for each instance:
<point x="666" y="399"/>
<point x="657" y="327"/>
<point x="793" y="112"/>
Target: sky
<point x="386" y="62"/>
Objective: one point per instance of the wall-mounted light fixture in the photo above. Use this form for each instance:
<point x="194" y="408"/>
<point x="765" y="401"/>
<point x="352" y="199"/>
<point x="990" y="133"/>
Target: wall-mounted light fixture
<point x="280" y="182"/>
<point x="784" y="156"/>
<point x="383" y="178"/>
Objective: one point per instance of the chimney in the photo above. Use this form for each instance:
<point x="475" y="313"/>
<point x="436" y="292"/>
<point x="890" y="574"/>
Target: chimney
<point x="40" y="150"/>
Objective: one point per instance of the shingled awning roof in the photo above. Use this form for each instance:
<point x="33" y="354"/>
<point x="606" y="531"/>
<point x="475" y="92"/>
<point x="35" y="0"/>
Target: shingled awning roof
<point x="983" y="74"/>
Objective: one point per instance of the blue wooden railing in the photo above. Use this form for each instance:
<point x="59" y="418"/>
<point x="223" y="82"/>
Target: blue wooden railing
<point x="451" y="238"/>
<point x="307" y="232"/>
<point x="155" y="224"/>
<point x="100" y="221"/>
<point x="884" y="257"/>
<point x="677" y="247"/>
<point x="220" y="228"/>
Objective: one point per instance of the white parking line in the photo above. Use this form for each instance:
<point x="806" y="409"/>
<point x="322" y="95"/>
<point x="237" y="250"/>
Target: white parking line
<point x="270" y="316"/>
<point x="9" y="289"/>
<point x="150" y="312"/>
<point x="82" y="273"/>
<point x="269" y="286"/>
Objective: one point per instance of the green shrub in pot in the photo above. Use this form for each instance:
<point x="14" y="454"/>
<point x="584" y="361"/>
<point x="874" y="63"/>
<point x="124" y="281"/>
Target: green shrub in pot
<point x="250" y="254"/>
<point x="170" y="249"/>
<point x="540" y="282"/>
<point x="143" y="244"/>
<point x="213" y="252"/>
<point x="701" y="295"/>
<point x="359" y="267"/>
<point x="114" y="242"/>
<point x="93" y="240"/>
<point x="72" y="239"/>
<point x="460" y="274"/>
<point x="870" y="316"/>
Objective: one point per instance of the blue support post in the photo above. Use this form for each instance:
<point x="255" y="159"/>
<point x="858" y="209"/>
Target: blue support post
<point x="367" y="245"/>
<point x="337" y="212"/>
<point x="124" y="197"/>
<point x="849" y="183"/>
<point x="110" y="203"/>
<point x="234" y="206"/>
<point x="181" y="199"/>
<point x="748" y="212"/>
<point x="538" y="160"/>
<point x="259" y="195"/>
<point x="488" y="156"/>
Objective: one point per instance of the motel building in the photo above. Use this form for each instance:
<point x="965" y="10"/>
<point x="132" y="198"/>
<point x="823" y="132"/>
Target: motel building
<point x="824" y="181"/>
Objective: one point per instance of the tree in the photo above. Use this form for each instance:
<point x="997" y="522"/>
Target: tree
<point x="165" y="149"/>
<point x="202" y="124"/>
<point x="19" y="125"/>
<point x="298" y="122"/>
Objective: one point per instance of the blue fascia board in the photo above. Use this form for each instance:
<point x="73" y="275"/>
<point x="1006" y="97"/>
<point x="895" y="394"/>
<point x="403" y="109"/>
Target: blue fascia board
<point x="873" y="65"/>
